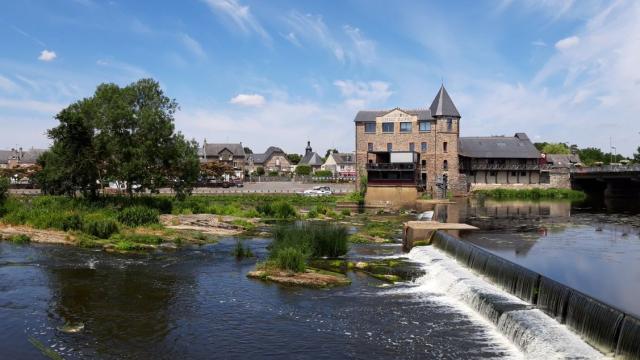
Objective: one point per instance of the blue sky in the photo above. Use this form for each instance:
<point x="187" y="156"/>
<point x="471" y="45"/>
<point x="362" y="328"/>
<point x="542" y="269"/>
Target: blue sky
<point x="281" y="72"/>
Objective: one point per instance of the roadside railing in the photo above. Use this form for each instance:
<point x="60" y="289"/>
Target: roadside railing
<point x="607" y="169"/>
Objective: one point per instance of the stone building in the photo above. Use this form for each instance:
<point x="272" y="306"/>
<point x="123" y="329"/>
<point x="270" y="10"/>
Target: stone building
<point x="341" y="164"/>
<point x="14" y="158"/>
<point x="499" y="160"/>
<point x="230" y="154"/>
<point x="272" y="160"/>
<point x="432" y="134"/>
<point x="311" y="158"/>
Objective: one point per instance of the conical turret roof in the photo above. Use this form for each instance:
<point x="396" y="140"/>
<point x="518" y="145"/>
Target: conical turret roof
<point x="442" y="105"/>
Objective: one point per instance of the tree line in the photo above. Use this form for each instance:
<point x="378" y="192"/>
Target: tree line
<point x="588" y="156"/>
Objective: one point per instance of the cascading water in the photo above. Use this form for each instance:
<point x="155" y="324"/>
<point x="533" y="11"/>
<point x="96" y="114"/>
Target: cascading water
<point x="553" y="298"/>
<point x="536" y="334"/>
<point x="629" y="343"/>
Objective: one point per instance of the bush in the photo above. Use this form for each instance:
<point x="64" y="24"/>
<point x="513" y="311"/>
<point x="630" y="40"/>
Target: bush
<point x="19" y="239"/>
<point x="241" y="252"/>
<point x="314" y="240"/>
<point x="345" y="212"/>
<point x="279" y="210"/>
<point x="273" y="173"/>
<point x="303" y="170"/>
<point x="292" y="259"/>
<point x="72" y="221"/>
<point x="259" y="171"/>
<point x="4" y="189"/>
<point x="323" y="173"/>
<point x="312" y="214"/>
<point x="99" y="226"/>
<point x="138" y="215"/>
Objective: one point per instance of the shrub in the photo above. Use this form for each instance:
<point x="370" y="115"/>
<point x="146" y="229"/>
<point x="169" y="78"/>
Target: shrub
<point x="317" y="240"/>
<point x="273" y="173"/>
<point x="4" y="189"/>
<point x="138" y="215"/>
<point x="292" y="259"/>
<point x="345" y="212"/>
<point x="72" y="221"/>
<point x="323" y="173"/>
<point x="283" y="210"/>
<point x="312" y="214"/>
<point x="99" y="226"/>
<point x="19" y="239"/>
<point x="259" y="171"/>
<point x="303" y="170"/>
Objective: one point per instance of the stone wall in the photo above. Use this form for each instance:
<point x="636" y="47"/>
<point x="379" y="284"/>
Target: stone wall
<point x="391" y="196"/>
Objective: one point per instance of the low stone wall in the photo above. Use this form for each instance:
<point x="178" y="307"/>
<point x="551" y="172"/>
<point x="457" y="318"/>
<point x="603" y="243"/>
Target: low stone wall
<point x="391" y="196"/>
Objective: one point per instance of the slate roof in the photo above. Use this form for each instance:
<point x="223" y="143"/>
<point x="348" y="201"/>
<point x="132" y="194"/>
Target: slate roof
<point x="562" y="160"/>
<point x="344" y="158"/>
<point x="442" y="105"/>
<point x="215" y="149"/>
<point x="311" y="159"/>
<point x="29" y="156"/>
<point x="516" y="147"/>
<point x="371" y="115"/>
<point x="262" y="158"/>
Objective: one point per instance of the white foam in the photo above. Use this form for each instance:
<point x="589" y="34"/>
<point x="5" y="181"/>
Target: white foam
<point x="534" y="333"/>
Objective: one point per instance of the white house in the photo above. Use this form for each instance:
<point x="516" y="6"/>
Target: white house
<point x="341" y="164"/>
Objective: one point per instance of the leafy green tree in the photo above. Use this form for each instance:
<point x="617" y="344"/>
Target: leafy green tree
<point x="556" y="148"/>
<point x="4" y="190"/>
<point x="303" y="170"/>
<point x="330" y="151"/>
<point x="636" y="156"/>
<point x="247" y="150"/>
<point x="260" y="171"/>
<point x="120" y="133"/>
<point x="294" y="159"/>
<point x="590" y="155"/>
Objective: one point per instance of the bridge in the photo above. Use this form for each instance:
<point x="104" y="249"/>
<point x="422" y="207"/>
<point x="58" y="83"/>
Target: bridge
<point x="609" y="180"/>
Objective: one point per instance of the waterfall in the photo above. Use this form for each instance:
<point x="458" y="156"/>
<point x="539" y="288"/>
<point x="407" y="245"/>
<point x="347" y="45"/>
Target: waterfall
<point x="608" y="329"/>
<point x="536" y="334"/>
<point x="629" y="343"/>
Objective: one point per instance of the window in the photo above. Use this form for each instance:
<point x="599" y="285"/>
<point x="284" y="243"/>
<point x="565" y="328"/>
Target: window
<point x="445" y="165"/>
<point x="523" y="173"/>
<point x="412" y="147"/>
<point x="513" y="173"/>
<point x="370" y="147"/>
<point x="424" y="163"/>
<point x="387" y="127"/>
<point x="424" y="126"/>
<point x="449" y="124"/>
<point x="370" y="127"/>
<point x="423" y="146"/>
<point x="389" y="147"/>
<point x="405" y="127"/>
<point x="444" y="146"/>
<point x="493" y="173"/>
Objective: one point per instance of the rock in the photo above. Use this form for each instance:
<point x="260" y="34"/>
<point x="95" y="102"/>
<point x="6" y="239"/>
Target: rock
<point x="361" y="265"/>
<point x="71" y="328"/>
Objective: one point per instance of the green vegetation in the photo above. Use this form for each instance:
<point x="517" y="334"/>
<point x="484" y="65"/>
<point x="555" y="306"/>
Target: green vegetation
<point x="323" y="173"/>
<point x="119" y="133"/>
<point x="588" y="156"/>
<point x="18" y="239"/>
<point x="290" y="258"/>
<point x="4" y="190"/>
<point x="99" y="225"/>
<point x="138" y="215"/>
<point x="278" y="210"/>
<point x="303" y="170"/>
<point x="532" y="194"/>
<point x="241" y="252"/>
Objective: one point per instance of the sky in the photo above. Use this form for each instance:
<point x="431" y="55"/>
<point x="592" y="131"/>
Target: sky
<point x="283" y="72"/>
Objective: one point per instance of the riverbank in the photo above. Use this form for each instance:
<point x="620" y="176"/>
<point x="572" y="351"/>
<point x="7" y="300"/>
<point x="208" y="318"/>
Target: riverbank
<point x="531" y="194"/>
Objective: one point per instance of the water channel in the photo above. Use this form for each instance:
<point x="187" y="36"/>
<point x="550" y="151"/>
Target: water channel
<point x="198" y="303"/>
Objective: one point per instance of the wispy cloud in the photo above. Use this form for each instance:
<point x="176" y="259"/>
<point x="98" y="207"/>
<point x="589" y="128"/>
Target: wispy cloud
<point x="567" y="43"/>
<point x="47" y="55"/>
<point x="31" y="105"/>
<point x="253" y="100"/>
<point x="129" y="70"/>
<point x="192" y="45"/>
<point x="27" y="35"/>
<point x="364" y="49"/>
<point x="7" y="85"/>
<point x="539" y="43"/>
<point x="359" y="94"/>
<point x="239" y="14"/>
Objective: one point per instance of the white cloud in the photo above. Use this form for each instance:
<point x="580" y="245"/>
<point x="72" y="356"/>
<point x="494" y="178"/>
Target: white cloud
<point x="7" y="85"/>
<point x="364" y="48"/>
<point x="31" y="105"/>
<point x="47" y="55"/>
<point x="567" y="43"/>
<point x="359" y="94"/>
<point x="192" y="45"/>
<point x="131" y="72"/>
<point x="248" y="100"/>
<point x="239" y="14"/>
<point x="292" y="38"/>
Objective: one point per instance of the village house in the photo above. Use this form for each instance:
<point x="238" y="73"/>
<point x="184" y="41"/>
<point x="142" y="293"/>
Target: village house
<point x="429" y="135"/>
<point x="499" y="160"/>
<point x="341" y="164"/>
<point x="311" y="158"/>
<point x="230" y="154"/>
<point x="272" y="160"/>
<point x="14" y="158"/>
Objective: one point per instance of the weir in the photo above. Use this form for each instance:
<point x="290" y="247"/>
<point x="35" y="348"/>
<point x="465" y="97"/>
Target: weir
<point x="604" y="327"/>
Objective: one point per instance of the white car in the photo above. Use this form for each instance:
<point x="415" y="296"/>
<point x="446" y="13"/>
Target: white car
<point x="318" y="191"/>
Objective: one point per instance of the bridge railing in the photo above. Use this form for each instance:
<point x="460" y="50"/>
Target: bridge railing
<point x="606" y="169"/>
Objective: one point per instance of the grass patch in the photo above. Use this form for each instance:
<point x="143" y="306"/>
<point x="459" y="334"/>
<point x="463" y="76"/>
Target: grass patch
<point x="138" y="215"/>
<point x="244" y="224"/>
<point x="99" y="225"/>
<point x="240" y="251"/>
<point x="19" y="239"/>
<point x="532" y="194"/>
<point x="291" y="258"/>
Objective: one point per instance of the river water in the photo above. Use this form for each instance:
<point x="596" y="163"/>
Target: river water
<point x="198" y="302"/>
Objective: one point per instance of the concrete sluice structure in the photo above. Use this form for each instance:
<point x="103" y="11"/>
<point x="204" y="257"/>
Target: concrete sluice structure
<point x="530" y="308"/>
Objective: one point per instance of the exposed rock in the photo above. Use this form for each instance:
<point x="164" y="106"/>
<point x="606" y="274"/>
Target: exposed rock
<point x="206" y="223"/>
<point x="309" y="278"/>
<point x="37" y="235"/>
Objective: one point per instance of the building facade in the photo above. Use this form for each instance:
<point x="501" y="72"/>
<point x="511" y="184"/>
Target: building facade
<point x="272" y="160"/>
<point x="499" y="160"/>
<point x="341" y="164"/>
<point x="311" y="158"/>
<point x="431" y="133"/>
<point x="229" y="154"/>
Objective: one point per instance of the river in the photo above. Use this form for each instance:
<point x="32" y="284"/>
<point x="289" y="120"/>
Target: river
<point x="198" y="302"/>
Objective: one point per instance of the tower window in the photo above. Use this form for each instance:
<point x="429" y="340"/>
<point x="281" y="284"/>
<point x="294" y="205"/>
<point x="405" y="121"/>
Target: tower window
<point x="370" y="146"/>
<point x="423" y="146"/>
<point x="449" y="124"/>
<point x="445" y="165"/>
<point x="444" y="146"/>
<point x="389" y="147"/>
<point x="412" y="147"/>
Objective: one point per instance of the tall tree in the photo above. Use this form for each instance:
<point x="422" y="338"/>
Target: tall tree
<point x="124" y="134"/>
<point x="294" y="159"/>
<point x="247" y="150"/>
<point x="636" y="156"/>
<point x="330" y="151"/>
<point x="555" y="148"/>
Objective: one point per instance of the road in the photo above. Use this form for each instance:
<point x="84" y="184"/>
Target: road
<point x="280" y="187"/>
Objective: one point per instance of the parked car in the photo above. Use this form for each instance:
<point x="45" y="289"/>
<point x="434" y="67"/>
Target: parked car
<point x="318" y="191"/>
